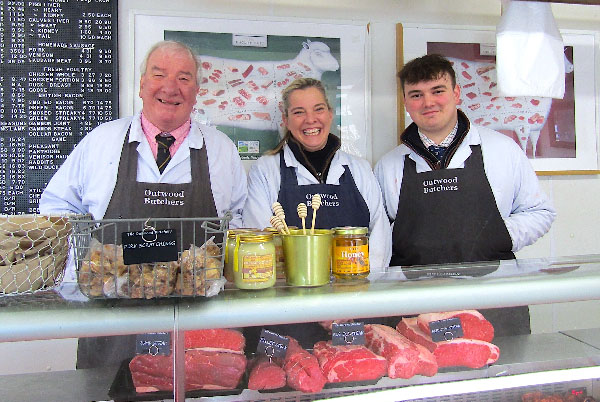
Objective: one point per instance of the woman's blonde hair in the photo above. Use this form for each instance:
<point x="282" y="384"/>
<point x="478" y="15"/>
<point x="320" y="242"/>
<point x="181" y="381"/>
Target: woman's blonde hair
<point x="300" y="83"/>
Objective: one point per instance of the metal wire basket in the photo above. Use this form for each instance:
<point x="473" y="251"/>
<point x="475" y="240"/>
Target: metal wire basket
<point x="197" y="271"/>
<point x="33" y="252"/>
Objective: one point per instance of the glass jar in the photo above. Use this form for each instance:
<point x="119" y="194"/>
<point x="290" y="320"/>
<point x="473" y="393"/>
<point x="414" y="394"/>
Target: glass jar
<point x="254" y="261"/>
<point x="229" y="248"/>
<point x="350" y="256"/>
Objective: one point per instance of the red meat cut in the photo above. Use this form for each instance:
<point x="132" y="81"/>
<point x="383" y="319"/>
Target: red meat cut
<point x="203" y="370"/>
<point x="218" y="340"/>
<point x="471" y="353"/>
<point x="473" y="323"/>
<point x="266" y="374"/>
<point x="349" y="362"/>
<point x="402" y="355"/>
<point x="302" y="369"/>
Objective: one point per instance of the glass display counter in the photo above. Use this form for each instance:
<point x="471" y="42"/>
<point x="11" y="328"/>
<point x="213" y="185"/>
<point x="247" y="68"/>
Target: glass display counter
<point x="569" y="359"/>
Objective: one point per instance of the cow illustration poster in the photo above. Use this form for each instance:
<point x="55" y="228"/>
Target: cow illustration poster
<point x="557" y="135"/>
<point x="245" y="64"/>
<point x="240" y="90"/>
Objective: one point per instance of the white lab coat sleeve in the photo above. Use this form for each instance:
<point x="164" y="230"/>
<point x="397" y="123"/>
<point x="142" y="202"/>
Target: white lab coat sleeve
<point x="389" y="171"/>
<point x="239" y="190"/>
<point x="532" y="212"/>
<point x="264" y="180"/>
<point x="380" y="234"/>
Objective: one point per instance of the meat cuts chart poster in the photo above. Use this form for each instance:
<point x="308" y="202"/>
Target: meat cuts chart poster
<point x="555" y="134"/>
<point x="245" y="65"/>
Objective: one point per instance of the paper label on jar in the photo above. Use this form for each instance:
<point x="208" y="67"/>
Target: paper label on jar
<point x="257" y="268"/>
<point x="351" y="259"/>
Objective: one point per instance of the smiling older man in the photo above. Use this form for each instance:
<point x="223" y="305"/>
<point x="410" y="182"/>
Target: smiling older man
<point x="158" y="163"/>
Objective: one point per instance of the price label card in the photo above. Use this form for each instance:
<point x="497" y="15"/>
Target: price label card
<point x="149" y="245"/>
<point x="154" y="343"/>
<point x="272" y="344"/>
<point x="348" y="333"/>
<point x="446" y="330"/>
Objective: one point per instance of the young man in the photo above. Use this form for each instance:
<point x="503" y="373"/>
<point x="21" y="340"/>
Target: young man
<point x="456" y="192"/>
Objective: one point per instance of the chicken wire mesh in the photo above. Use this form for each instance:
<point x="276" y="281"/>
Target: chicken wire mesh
<point x="33" y="252"/>
<point x="197" y="271"/>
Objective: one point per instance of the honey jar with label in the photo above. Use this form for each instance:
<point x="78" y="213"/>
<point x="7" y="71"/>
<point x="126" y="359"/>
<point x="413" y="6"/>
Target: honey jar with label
<point x="350" y="254"/>
<point x="254" y="261"/>
<point x="230" y="247"/>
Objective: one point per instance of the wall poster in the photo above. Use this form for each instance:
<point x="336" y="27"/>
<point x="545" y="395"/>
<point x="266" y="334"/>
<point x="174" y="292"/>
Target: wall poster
<point x="245" y="64"/>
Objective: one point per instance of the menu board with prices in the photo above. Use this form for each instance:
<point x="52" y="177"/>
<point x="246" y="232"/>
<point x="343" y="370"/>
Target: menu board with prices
<point x="59" y="81"/>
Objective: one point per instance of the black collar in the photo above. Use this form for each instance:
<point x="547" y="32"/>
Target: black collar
<point x="317" y="162"/>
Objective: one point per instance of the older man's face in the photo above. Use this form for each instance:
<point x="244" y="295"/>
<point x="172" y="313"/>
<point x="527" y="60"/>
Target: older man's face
<point x="168" y="88"/>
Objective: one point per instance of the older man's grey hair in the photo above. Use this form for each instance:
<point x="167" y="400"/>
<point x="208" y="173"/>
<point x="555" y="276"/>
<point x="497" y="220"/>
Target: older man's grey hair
<point x="172" y="45"/>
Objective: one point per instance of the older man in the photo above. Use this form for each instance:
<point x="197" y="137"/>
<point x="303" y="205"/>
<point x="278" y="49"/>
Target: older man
<point x="158" y="163"/>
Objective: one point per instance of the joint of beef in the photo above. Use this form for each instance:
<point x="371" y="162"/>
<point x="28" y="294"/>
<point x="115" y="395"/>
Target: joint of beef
<point x="473" y="353"/>
<point x="218" y="340"/>
<point x="266" y="374"/>
<point x="349" y="362"/>
<point x="473" y="323"/>
<point x="302" y="369"/>
<point x="404" y="358"/>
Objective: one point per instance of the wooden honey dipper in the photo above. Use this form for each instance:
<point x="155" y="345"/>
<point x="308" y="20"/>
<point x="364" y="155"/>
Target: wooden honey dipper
<point x="277" y="224"/>
<point x="278" y="211"/>
<point x="315" y="204"/>
<point x="302" y="214"/>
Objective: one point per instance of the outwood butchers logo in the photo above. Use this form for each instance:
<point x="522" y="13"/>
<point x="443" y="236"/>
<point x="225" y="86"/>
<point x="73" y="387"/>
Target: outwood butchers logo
<point x="439" y="185"/>
<point x="327" y="200"/>
<point x="172" y="198"/>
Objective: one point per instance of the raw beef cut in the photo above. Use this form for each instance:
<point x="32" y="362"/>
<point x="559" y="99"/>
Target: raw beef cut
<point x="266" y="374"/>
<point x="471" y="353"/>
<point x="473" y="323"/>
<point x="427" y="364"/>
<point x="218" y="340"/>
<point x="349" y="362"/>
<point x="302" y="369"/>
<point x="401" y="354"/>
<point x="203" y="370"/>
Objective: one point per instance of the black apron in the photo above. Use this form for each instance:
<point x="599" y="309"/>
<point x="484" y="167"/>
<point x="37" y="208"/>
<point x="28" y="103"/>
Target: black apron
<point x="451" y="216"/>
<point x="130" y="199"/>
<point x="341" y="205"/>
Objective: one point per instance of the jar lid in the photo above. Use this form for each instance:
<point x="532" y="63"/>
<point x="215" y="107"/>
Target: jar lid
<point x="231" y="233"/>
<point x="256" y="237"/>
<point x="351" y="230"/>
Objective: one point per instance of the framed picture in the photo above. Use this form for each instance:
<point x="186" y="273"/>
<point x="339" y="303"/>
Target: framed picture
<point x="245" y="65"/>
<point x="559" y="136"/>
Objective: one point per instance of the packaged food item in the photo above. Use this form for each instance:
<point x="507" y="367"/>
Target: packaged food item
<point x="350" y="253"/>
<point x="229" y="247"/>
<point x="254" y="261"/>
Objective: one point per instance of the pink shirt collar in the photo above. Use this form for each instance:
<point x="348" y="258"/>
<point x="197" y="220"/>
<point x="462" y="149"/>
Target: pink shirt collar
<point x="151" y="131"/>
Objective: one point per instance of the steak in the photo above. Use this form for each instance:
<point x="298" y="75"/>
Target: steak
<point x="473" y="353"/>
<point x="402" y="355"/>
<point x="473" y="323"/>
<point x="349" y="362"/>
<point x="302" y="369"/>
<point x="265" y="374"/>
<point x="218" y="340"/>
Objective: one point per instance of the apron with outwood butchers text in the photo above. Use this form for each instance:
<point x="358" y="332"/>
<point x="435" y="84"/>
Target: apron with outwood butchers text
<point x="133" y="199"/>
<point x="341" y="205"/>
<point x="451" y="216"/>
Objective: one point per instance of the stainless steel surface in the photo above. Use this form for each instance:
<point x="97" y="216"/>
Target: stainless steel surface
<point x="588" y="336"/>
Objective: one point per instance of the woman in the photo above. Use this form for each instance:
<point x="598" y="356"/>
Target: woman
<point x="308" y="161"/>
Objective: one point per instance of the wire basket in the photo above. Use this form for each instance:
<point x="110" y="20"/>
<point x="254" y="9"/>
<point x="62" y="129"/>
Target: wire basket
<point x="33" y="252"/>
<point x="103" y="274"/>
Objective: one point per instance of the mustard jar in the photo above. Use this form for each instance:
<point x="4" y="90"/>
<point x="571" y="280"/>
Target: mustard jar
<point x="350" y="254"/>
<point x="229" y="248"/>
<point x="254" y="261"/>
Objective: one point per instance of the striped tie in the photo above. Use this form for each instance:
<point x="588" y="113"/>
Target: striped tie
<point x="163" y="156"/>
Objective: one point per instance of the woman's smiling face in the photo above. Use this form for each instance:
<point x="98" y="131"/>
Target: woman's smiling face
<point x="308" y="118"/>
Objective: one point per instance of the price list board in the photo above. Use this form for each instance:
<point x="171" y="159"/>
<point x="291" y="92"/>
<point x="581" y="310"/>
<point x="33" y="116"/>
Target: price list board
<point x="59" y="80"/>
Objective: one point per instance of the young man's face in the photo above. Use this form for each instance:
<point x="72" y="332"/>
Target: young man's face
<point x="169" y="88"/>
<point x="432" y="106"/>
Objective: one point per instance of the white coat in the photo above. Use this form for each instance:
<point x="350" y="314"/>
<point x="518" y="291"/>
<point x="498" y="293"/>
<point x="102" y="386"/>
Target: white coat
<point x="526" y="210"/>
<point x="264" y="180"/>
